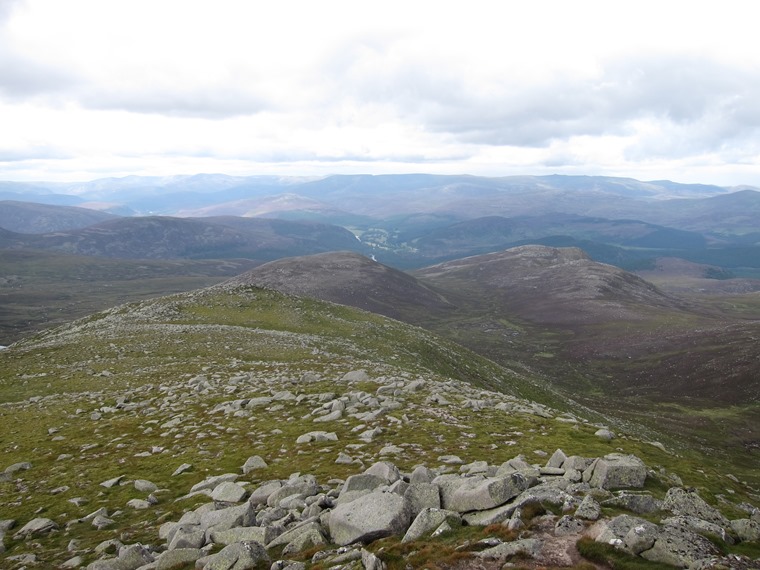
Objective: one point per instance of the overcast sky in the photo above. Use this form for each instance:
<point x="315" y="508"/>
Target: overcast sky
<point x="96" y="88"/>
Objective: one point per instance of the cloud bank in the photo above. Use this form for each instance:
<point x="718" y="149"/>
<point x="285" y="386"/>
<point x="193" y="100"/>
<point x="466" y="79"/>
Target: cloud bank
<point x="155" y="87"/>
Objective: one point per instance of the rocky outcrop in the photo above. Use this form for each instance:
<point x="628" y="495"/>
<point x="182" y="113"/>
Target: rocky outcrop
<point x="299" y="514"/>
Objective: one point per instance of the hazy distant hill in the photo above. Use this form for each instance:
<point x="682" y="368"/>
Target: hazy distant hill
<point x="166" y="238"/>
<point x="31" y="218"/>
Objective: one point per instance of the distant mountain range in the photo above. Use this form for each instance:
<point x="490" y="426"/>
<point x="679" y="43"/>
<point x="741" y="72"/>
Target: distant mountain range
<point x="405" y="221"/>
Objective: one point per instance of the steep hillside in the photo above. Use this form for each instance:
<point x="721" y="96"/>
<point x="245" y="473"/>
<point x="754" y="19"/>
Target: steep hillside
<point x="31" y="218"/>
<point x="143" y="433"/>
<point x="349" y="279"/>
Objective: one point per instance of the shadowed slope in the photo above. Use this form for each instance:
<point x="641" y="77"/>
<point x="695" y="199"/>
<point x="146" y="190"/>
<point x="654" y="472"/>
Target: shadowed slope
<point x="349" y="279"/>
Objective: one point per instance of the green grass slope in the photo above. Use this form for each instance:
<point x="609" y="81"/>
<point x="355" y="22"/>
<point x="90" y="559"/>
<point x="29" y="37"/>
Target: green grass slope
<point x="137" y="390"/>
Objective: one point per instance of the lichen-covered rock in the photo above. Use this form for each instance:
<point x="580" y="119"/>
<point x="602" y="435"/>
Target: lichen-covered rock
<point x="681" y="502"/>
<point x="640" y="537"/>
<point x="679" y="546"/>
<point x="746" y="529"/>
<point x="178" y="558"/>
<point x="639" y="503"/>
<point x="618" y="471"/>
<point x="611" y="530"/>
<point x="421" y="496"/>
<point x="238" y="556"/>
<point x="589" y="509"/>
<point x="480" y="493"/>
<point x="568" y="525"/>
<point x="368" y="518"/>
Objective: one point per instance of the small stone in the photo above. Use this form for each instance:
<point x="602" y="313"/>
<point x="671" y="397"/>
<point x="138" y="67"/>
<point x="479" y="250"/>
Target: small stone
<point x="252" y="463"/>
<point x="112" y="482"/>
<point x="145" y="486"/>
<point x="184" y="468"/>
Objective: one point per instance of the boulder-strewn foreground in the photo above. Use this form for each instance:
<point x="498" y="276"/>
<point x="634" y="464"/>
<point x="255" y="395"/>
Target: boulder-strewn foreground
<point x="302" y="434"/>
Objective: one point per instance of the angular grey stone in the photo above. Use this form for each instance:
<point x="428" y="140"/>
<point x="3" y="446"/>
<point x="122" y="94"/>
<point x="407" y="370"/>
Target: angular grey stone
<point x="362" y="482"/>
<point x="317" y="436"/>
<point x="145" y="486"/>
<point x="578" y="463"/>
<point x="178" y="558"/>
<point x="679" y="546"/>
<point x="641" y="537"/>
<point x="697" y="525"/>
<point x="639" y="503"/>
<point x="450" y="459"/>
<point x="223" y="519"/>
<point x="557" y="459"/>
<point x="681" y="502"/>
<point x="618" y="471"/>
<point x="300" y="538"/>
<point x="589" y="509"/>
<point x="481" y="493"/>
<point x="368" y="518"/>
<point x="184" y="468"/>
<point x="428" y="520"/>
<point x="238" y="556"/>
<point x="331" y="417"/>
<point x="608" y="530"/>
<point x="371" y="562"/>
<point x="568" y="525"/>
<point x="260" y="534"/>
<point x="100" y="522"/>
<point x="304" y="486"/>
<point x="187" y="536"/>
<point x="36" y="527"/>
<point x="421" y="474"/>
<point x="490" y="516"/>
<point x="747" y="530"/>
<point x="385" y="470"/>
<point x="229" y="492"/>
<point x="252" y="463"/>
<point x="261" y="494"/>
<point x="355" y="376"/>
<point x="134" y="556"/>
<point x="138" y="504"/>
<point x="74" y="562"/>
<point x="421" y="496"/>
<point x="211" y="483"/>
<point x="112" y="482"/>
<point x="475" y="468"/>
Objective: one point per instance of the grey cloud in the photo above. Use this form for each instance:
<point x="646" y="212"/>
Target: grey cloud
<point x="21" y="77"/>
<point x="210" y="103"/>
<point x="703" y="98"/>
<point x="7" y="7"/>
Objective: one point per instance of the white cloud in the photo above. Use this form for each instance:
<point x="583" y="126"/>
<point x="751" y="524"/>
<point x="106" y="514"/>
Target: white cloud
<point x="487" y="87"/>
